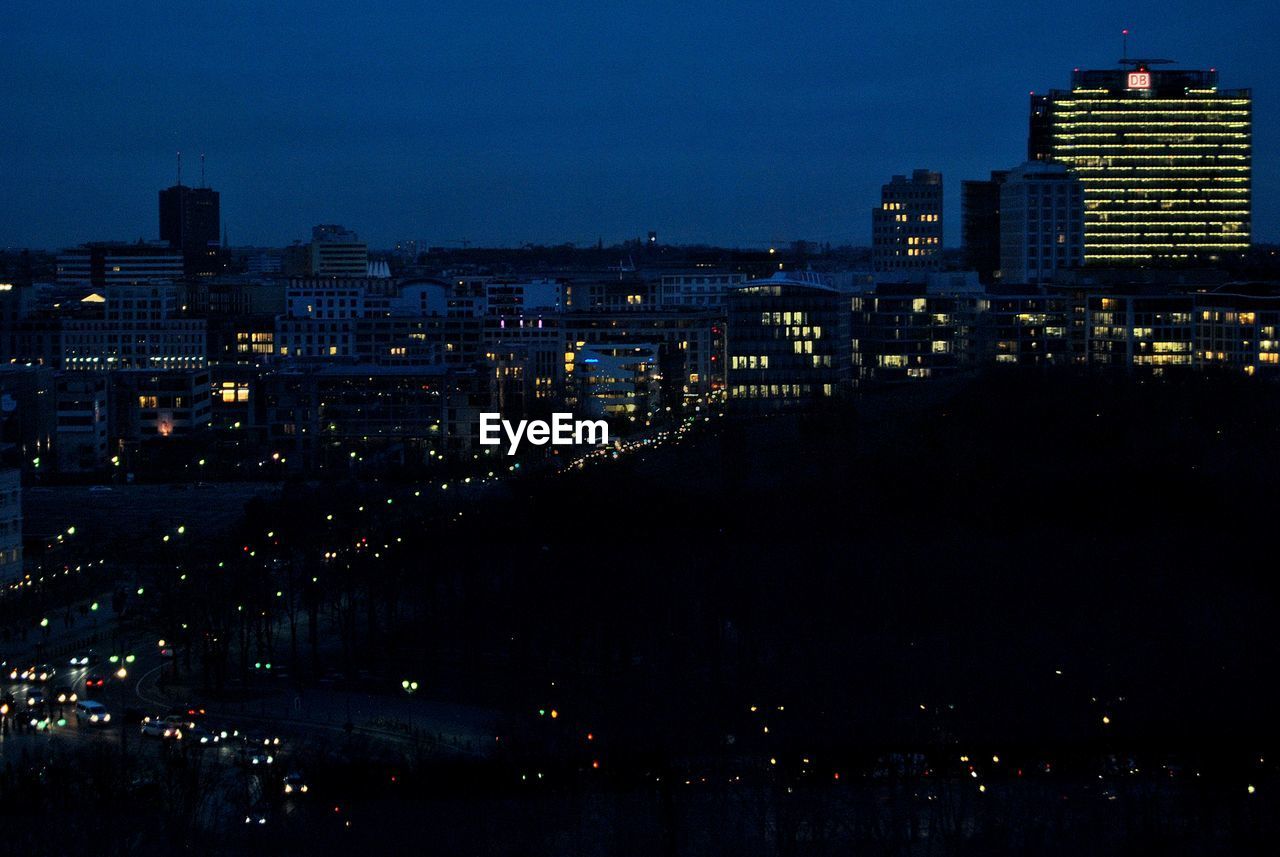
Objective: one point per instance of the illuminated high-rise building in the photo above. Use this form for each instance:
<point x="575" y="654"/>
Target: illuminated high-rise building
<point x="1164" y="156"/>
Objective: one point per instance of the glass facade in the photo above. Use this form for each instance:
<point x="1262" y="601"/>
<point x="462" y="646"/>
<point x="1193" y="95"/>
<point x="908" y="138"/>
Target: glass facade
<point x="1165" y="158"/>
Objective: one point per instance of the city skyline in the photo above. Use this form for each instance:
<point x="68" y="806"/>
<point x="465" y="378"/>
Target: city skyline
<point x="550" y="126"/>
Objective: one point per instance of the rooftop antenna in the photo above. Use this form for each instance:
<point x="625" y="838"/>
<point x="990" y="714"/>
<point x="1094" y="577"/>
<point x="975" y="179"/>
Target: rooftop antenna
<point x="179" y="168"/>
<point x="202" y="169"/>
<point x="1124" y="34"/>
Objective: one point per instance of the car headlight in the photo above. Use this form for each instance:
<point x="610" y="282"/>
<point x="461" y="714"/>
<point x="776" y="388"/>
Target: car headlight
<point x="106" y="718"/>
<point x="303" y="789"/>
<point x="93" y="718"/>
<point x="288" y="789"/>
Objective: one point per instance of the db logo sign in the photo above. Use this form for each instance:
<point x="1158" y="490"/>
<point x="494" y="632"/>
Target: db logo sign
<point x="1139" y="80"/>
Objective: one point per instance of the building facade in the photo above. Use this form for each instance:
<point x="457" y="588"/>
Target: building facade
<point x="105" y="264"/>
<point x="980" y="225"/>
<point x="190" y="222"/>
<point x="10" y="524"/>
<point x="906" y="230"/>
<point x="788" y="343"/>
<point x="337" y="252"/>
<point x="1165" y="157"/>
<point x="1041" y="222"/>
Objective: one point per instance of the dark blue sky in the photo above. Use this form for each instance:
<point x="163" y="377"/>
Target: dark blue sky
<point x="734" y="123"/>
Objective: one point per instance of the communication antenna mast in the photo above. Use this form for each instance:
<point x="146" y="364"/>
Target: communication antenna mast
<point x="202" y="169"/>
<point x="1124" y="34"/>
<point x="179" y="168"/>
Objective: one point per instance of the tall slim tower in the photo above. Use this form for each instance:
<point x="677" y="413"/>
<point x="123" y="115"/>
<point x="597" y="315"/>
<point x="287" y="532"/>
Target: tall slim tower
<point x="1165" y="158"/>
<point x="190" y="221"/>
<point x="906" y="230"/>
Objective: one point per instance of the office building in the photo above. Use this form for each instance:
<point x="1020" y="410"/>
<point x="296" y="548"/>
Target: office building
<point x="82" y="421"/>
<point x="28" y="416"/>
<point x="141" y="327"/>
<point x="617" y="380"/>
<point x="10" y="524"/>
<point x="690" y="345"/>
<point x="145" y="404"/>
<point x="337" y="252"/>
<point x="1027" y="326"/>
<point x="914" y="331"/>
<point x="697" y="289"/>
<point x="1237" y="328"/>
<point x="1143" y="332"/>
<point x="980" y="225"/>
<point x="105" y="264"/>
<point x="190" y="221"/>
<point x="1041" y="222"/>
<point x="788" y="342"/>
<point x="906" y="230"/>
<point x="1165" y="158"/>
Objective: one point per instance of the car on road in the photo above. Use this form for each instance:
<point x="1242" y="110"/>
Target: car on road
<point x="63" y="694"/>
<point x="92" y="712"/>
<point x="94" y="681"/>
<point x="295" y="783"/>
<point x="257" y="814"/>
<point x="35" y="698"/>
<point x="154" y="727"/>
<point x="32" y="674"/>
<point x="257" y="758"/>
<point x="224" y="731"/>
<point x="181" y="721"/>
<point x="257" y="739"/>
<point x="82" y="659"/>
<point x="192" y="712"/>
<point x="202" y="737"/>
<point x="40" y="674"/>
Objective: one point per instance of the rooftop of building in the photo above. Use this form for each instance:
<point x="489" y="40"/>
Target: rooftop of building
<point x="1144" y="78"/>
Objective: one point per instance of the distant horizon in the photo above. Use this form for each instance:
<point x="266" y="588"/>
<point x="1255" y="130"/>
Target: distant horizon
<point x="513" y="125"/>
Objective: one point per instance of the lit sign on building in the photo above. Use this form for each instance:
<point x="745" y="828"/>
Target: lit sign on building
<point x="1139" y="80"/>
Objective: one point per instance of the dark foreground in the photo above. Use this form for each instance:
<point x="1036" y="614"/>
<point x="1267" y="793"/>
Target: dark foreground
<point x="1014" y="615"/>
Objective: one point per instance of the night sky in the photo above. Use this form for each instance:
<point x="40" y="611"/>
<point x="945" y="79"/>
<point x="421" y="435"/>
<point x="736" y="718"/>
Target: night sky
<point x="502" y="123"/>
